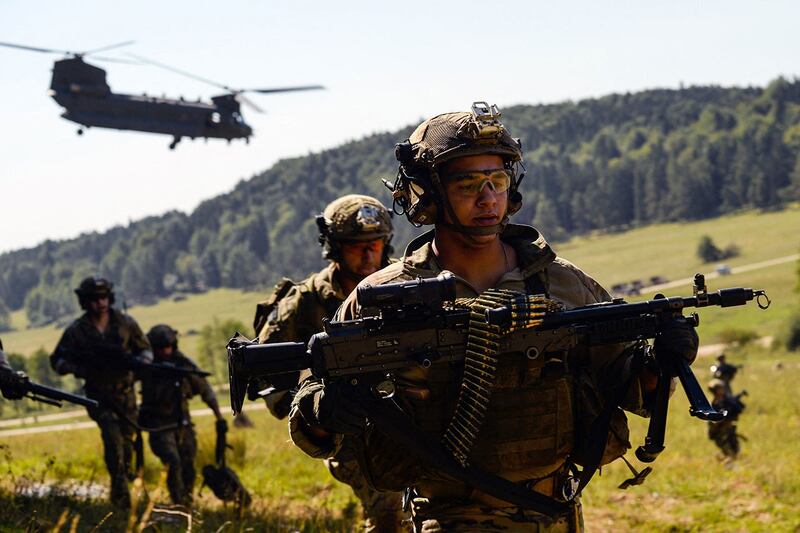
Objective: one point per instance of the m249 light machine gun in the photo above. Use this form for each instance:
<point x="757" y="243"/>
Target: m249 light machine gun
<point x="420" y="322"/>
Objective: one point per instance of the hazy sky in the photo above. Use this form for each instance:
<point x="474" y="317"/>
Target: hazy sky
<point x="386" y="65"/>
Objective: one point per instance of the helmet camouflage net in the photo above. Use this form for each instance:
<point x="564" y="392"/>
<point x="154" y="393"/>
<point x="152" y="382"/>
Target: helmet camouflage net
<point x="353" y="218"/>
<point x="418" y="191"/>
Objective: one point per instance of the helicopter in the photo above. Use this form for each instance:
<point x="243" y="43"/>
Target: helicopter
<point x="82" y="90"/>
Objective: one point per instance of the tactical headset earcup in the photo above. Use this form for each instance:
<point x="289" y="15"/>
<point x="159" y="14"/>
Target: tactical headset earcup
<point x="514" y="202"/>
<point x="403" y="152"/>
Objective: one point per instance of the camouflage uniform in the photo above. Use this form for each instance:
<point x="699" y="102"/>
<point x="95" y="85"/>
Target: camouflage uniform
<point x="532" y="452"/>
<point x="112" y="388"/>
<point x="164" y="412"/>
<point x="724" y="433"/>
<point x="299" y="315"/>
<point x="531" y="434"/>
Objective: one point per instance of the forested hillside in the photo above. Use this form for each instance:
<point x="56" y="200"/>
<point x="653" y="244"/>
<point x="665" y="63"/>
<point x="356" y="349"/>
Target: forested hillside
<point x="606" y="163"/>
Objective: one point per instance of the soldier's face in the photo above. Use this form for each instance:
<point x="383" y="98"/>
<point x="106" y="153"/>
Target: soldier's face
<point x="163" y="352"/>
<point x="477" y="191"/>
<point x="362" y="258"/>
<point x="98" y="304"/>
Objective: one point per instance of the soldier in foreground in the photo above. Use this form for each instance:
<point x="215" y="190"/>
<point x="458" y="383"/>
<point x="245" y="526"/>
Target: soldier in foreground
<point x="164" y="412"/>
<point x="95" y="347"/>
<point x="459" y="171"/>
<point x="355" y="232"/>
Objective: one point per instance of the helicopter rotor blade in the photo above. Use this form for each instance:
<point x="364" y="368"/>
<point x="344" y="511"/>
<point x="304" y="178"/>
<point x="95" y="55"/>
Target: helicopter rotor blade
<point x="246" y="101"/>
<point x="285" y="89"/>
<point x="178" y="71"/>
<point x="116" y="60"/>
<point x="107" y="47"/>
<point x="35" y="49"/>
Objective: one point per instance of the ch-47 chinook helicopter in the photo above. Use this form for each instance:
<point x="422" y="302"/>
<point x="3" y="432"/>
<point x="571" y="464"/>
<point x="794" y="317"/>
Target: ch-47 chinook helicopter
<point x="82" y="90"/>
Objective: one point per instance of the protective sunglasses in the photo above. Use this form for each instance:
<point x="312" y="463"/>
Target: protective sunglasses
<point x="472" y="183"/>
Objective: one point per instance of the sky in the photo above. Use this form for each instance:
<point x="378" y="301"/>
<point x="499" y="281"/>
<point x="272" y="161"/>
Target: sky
<point x="386" y="65"/>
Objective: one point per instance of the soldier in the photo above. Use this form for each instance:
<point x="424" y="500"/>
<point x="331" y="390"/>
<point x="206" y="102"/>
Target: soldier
<point x="95" y="347"/>
<point x="355" y="231"/>
<point x="724" y="371"/>
<point x="724" y="433"/>
<point x="459" y="171"/>
<point x="11" y="383"/>
<point x="164" y="412"/>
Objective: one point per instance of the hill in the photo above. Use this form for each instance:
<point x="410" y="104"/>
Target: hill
<point x="611" y="163"/>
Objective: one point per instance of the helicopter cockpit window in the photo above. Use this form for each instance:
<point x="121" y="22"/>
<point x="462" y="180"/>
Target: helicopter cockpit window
<point x="214" y="119"/>
<point x="237" y="117"/>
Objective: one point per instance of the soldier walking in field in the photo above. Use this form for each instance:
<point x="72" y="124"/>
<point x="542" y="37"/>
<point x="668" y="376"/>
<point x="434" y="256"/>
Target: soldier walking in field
<point x="460" y="172"/>
<point x="355" y="231"/>
<point x="98" y="347"/>
<point x="164" y="411"/>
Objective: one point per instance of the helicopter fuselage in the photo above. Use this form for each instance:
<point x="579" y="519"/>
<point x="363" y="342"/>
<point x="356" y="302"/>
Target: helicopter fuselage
<point x="81" y="89"/>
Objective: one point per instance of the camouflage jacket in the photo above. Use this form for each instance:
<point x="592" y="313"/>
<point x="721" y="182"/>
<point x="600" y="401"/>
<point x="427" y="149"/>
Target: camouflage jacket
<point x="82" y="337"/>
<point x="299" y="314"/>
<point x="530" y="428"/>
<point x="165" y="400"/>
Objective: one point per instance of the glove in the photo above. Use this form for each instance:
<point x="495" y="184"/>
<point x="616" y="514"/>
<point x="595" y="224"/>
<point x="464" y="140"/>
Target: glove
<point x="677" y="340"/>
<point x="221" y="426"/>
<point x="12" y="384"/>
<point x="335" y="407"/>
<point x="63" y="367"/>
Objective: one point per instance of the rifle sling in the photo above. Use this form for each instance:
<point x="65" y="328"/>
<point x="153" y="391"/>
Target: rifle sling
<point x="391" y="420"/>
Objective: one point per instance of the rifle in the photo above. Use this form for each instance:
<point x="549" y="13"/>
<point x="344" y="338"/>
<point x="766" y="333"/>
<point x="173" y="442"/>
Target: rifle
<point x="419" y="322"/>
<point x="44" y="394"/>
<point x="116" y="357"/>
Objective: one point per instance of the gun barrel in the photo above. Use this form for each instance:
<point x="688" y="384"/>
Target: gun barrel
<point x="57" y="394"/>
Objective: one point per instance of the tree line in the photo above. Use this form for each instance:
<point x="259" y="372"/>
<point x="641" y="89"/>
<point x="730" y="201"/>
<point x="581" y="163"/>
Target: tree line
<point x="608" y="163"/>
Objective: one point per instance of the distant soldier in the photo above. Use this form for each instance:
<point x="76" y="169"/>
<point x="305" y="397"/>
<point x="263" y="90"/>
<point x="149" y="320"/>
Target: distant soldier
<point x="355" y="232"/>
<point x="95" y="347"/>
<point x="164" y="412"/>
<point x="724" y="371"/>
<point x="11" y="383"/>
<point x="724" y="433"/>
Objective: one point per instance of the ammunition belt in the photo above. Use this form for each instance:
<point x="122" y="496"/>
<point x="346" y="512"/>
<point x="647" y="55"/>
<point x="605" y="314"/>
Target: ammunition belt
<point x="480" y="362"/>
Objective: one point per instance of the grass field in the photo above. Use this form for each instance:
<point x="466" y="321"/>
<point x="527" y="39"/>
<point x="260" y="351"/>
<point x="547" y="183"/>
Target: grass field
<point x="690" y="490"/>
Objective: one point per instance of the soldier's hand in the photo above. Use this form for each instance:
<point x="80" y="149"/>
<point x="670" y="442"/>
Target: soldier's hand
<point x="62" y="367"/>
<point x="335" y="407"/>
<point x="12" y="384"/>
<point x="678" y="339"/>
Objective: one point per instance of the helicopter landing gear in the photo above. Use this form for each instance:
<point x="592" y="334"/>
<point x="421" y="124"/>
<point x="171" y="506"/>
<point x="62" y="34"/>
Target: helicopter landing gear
<point x="80" y="131"/>
<point x="174" y="143"/>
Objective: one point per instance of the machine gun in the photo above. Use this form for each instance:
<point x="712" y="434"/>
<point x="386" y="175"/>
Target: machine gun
<point x="418" y="322"/>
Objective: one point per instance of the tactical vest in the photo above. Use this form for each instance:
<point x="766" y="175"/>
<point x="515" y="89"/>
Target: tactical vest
<point x="528" y="432"/>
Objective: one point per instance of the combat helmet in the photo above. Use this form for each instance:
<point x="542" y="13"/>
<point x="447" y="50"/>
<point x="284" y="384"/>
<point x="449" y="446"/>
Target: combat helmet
<point x="353" y="218"/>
<point x="418" y="191"/>
<point x="161" y="336"/>
<point x="94" y="286"/>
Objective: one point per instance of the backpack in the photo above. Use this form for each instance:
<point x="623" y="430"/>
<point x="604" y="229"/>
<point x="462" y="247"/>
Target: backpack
<point x="266" y="307"/>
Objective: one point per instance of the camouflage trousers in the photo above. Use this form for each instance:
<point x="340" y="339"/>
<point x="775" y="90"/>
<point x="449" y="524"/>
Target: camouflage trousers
<point x="725" y="437"/>
<point x="449" y="515"/>
<point x="118" y="447"/>
<point x="177" y="449"/>
<point x="383" y="511"/>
